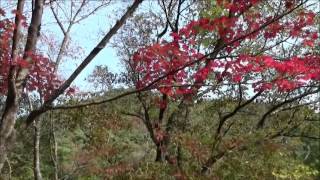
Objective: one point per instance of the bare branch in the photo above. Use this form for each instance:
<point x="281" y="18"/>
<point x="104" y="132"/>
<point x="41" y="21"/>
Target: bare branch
<point x="85" y="62"/>
<point x="234" y="112"/>
<point x="17" y="30"/>
<point x="277" y="106"/>
<point x="132" y="114"/>
<point x="57" y="19"/>
<point x="301" y="136"/>
<point x="90" y="13"/>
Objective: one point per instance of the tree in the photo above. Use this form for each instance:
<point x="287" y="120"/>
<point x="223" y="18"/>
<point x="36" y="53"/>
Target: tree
<point x="178" y="69"/>
<point x="57" y="52"/>
<point x="102" y="79"/>
<point x="20" y="68"/>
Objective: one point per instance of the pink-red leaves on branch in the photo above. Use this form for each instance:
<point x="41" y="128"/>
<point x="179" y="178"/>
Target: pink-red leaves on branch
<point x="265" y="72"/>
<point x="41" y="77"/>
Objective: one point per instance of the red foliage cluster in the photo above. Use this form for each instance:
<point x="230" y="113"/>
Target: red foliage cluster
<point x="6" y="29"/>
<point x="41" y="76"/>
<point x="183" y="67"/>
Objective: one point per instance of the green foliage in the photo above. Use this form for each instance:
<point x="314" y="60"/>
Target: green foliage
<point x="102" y="142"/>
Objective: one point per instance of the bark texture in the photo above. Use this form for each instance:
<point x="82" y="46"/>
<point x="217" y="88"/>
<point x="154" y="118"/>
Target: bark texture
<point x="36" y="150"/>
<point x="17" y="76"/>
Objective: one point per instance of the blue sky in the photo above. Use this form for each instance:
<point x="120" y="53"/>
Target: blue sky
<point x="87" y="34"/>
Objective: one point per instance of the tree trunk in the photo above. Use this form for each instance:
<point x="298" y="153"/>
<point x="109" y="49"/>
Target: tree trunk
<point x="36" y="150"/>
<point x="8" y="119"/>
<point x="9" y="169"/>
<point x="17" y="78"/>
<point x="160" y="157"/>
<point x="54" y="149"/>
<point x="2" y="158"/>
<point x="211" y="161"/>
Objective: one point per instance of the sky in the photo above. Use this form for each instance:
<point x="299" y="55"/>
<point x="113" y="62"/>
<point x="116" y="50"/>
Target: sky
<point x="87" y="34"/>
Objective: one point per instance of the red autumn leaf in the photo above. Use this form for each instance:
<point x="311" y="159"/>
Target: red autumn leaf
<point x="308" y="43"/>
<point x="23" y="63"/>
